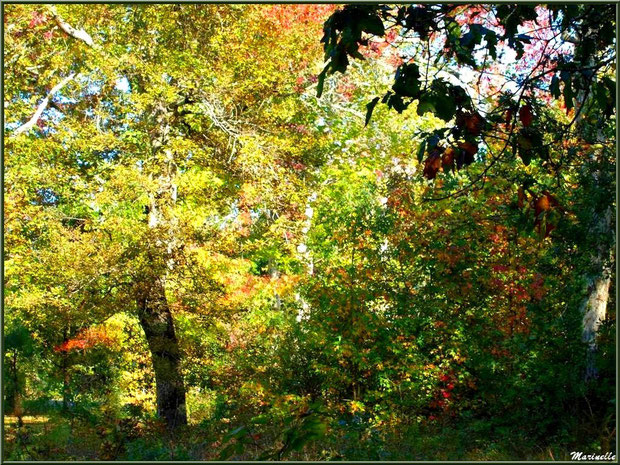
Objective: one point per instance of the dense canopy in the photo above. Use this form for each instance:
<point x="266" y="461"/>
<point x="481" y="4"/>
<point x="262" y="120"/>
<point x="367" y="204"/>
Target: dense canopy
<point x="309" y="232"/>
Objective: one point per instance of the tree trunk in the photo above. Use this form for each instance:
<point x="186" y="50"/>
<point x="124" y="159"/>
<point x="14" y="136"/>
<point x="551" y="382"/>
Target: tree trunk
<point x="156" y="321"/>
<point x="594" y="307"/>
<point x="66" y="378"/>
<point x="10" y="390"/>
<point x="594" y="314"/>
<point x="153" y="310"/>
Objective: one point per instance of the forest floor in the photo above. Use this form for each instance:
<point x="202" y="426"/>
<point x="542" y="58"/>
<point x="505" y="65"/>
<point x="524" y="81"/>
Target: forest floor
<point x="57" y="438"/>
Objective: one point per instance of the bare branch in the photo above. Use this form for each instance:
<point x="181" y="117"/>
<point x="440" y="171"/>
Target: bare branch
<point x="79" y="34"/>
<point x="42" y="106"/>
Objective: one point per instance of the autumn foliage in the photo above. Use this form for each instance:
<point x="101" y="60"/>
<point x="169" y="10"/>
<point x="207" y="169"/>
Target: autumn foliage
<point x="309" y="232"/>
<point x="86" y="340"/>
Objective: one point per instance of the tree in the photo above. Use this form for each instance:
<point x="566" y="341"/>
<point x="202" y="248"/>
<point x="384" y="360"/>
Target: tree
<point x="500" y="111"/>
<point x="192" y="234"/>
<point x="158" y="164"/>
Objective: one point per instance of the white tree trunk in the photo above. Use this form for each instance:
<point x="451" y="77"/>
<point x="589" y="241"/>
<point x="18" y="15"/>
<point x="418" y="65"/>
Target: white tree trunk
<point x="594" y="307"/>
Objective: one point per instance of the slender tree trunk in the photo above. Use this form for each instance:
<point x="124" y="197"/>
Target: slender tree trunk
<point x="156" y="321"/>
<point x="16" y="402"/>
<point x="12" y="387"/>
<point x="66" y="379"/>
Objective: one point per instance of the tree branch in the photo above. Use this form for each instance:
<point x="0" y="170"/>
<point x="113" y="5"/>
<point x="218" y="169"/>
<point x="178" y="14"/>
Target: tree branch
<point x="79" y="34"/>
<point x="42" y="106"/>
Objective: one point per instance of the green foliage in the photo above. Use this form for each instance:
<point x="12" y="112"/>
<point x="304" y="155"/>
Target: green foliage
<point x="342" y="281"/>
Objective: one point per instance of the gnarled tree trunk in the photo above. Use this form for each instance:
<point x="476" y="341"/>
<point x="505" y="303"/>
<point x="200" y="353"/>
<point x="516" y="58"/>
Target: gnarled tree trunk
<point x="156" y="321"/>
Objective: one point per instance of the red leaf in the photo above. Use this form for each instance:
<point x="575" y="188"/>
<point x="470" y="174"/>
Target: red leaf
<point x="525" y="115"/>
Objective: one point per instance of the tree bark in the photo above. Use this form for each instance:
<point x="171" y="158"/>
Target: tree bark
<point x="153" y="309"/>
<point x="594" y="307"/>
<point x="156" y="321"/>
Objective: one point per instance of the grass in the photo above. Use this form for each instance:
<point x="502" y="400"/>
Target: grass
<point x="27" y="420"/>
